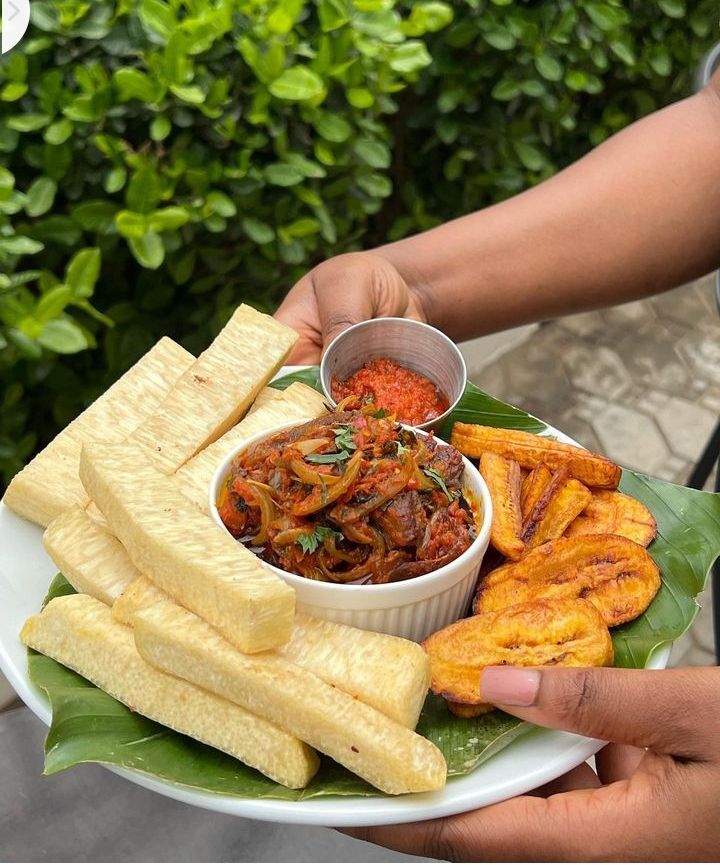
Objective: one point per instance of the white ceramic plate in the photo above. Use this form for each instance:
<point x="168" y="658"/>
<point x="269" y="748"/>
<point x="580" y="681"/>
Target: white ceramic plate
<point x="533" y="759"/>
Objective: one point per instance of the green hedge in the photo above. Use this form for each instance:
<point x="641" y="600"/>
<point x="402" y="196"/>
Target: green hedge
<point x="161" y="160"/>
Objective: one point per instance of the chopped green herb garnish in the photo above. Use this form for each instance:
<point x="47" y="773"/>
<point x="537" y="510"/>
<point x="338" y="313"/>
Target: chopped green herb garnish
<point x="401" y="449"/>
<point x="380" y="413"/>
<point x="343" y="438"/>
<point x="327" y="459"/>
<point x="438" y="479"/>
<point x="310" y="541"/>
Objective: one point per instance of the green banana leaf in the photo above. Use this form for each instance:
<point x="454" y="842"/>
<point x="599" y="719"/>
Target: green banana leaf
<point x="89" y="725"/>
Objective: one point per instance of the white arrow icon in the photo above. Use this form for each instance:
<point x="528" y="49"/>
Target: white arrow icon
<point x="15" y="20"/>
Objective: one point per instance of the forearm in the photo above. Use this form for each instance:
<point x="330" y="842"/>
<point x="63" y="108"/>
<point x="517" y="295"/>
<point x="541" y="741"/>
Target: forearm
<point x="638" y="215"/>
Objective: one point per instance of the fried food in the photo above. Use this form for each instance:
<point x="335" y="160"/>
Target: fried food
<point x="50" y="483"/>
<point x="558" y="632"/>
<point x="531" y="450"/>
<point x="465" y="710"/>
<point x="613" y="513"/>
<point x="183" y="551"/>
<point x="388" y="673"/>
<point x="216" y="391"/>
<point x="561" y="502"/>
<point x="616" y="575"/>
<point x="90" y="557"/>
<point x="79" y="632"/>
<point x="533" y="487"/>
<point x="384" y="753"/>
<point x="503" y="479"/>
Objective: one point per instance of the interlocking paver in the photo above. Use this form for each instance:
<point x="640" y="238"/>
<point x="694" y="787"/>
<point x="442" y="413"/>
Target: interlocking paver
<point x="596" y="369"/>
<point x="632" y="439"/>
<point x="685" y="425"/>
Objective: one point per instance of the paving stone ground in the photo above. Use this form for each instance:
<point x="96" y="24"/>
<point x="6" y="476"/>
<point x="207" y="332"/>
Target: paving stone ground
<point x="638" y="382"/>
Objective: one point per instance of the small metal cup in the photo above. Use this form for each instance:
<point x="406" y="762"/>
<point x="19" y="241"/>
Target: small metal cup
<point x="412" y="344"/>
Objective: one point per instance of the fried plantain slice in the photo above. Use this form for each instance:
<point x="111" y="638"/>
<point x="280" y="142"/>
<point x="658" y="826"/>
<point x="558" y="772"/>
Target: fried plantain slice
<point x="558" y="632"/>
<point x="531" y="450"/>
<point x="533" y="487"/>
<point x="615" y="513"/>
<point x="563" y="500"/>
<point x="503" y="479"/>
<point x="616" y="575"/>
<point x="465" y="710"/>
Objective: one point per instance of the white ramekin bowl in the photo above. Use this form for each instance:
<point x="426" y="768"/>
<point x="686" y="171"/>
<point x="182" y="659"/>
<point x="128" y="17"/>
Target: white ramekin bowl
<point x="412" y="608"/>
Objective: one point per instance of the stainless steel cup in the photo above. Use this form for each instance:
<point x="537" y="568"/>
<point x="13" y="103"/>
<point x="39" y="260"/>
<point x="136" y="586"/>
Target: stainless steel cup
<point x="412" y="344"/>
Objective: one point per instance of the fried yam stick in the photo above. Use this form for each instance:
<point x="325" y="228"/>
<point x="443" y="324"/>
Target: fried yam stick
<point x="531" y="450"/>
<point x="384" y="753"/>
<point x="616" y="575"/>
<point x="533" y="487"/>
<point x="559" y="632"/>
<point x="561" y="502"/>
<point x="389" y="673"/>
<point x="503" y="479"/>
<point x="79" y="632"/>
<point x="613" y="513"/>
<point x="185" y="553"/>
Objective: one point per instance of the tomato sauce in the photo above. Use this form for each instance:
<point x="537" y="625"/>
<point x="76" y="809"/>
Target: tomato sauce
<point x="411" y="397"/>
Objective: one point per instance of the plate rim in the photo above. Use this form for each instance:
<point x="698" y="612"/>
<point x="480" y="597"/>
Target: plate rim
<point x="564" y="750"/>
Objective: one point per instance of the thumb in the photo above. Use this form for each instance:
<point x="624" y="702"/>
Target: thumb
<point x="658" y="709"/>
<point x="355" y="287"/>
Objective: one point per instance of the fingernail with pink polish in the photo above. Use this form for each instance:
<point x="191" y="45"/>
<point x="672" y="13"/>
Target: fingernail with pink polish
<point x="509" y="686"/>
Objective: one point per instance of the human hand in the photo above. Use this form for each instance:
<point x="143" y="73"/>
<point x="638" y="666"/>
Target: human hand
<point x="343" y="291"/>
<point x="658" y="804"/>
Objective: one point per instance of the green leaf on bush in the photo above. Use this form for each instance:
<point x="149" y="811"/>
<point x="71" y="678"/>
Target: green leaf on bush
<point x="282" y="174"/>
<point x="505" y="90"/>
<point x="549" y="67"/>
<point x="360" y="97"/>
<point x="221" y="203"/>
<point x="167" y="219"/>
<point x="148" y="249"/>
<point x="332" y="127"/>
<point x="160" y="128"/>
<point x="411" y="56"/>
<point x="672" y="8"/>
<point x="134" y="84"/>
<point x="115" y="179"/>
<point x="63" y="336"/>
<point x="83" y="271"/>
<point x="144" y="190"/>
<point x="297" y="84"/>
<point x="131" y="224"/>
<point x="606" y="17"/>
<point x="19" y="245"/>
<point x="530" y="156"/>
<point x="333" y="14"/>
<point x="158" y="16"/>
<point x="13" y="91"/>
<point x="374" y="153"/>
<point x="258" y="231"/>
<point x="503" y="40"/>
<point x="192" y="94"/>
<point x="284" y="15"/>
<point x="40" y="196"/>
<point x="28" y="122"/>
<point x="59" y="132"/>
<point x="376" y="185"/>
<point x="53" y="302"/>
<point x="96" y="216"/>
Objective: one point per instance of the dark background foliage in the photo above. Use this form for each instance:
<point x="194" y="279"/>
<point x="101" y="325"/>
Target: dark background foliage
<point x="162" y="160"/>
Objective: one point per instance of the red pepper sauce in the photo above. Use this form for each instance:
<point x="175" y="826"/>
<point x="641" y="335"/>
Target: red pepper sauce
<point x="411" y="397"/>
